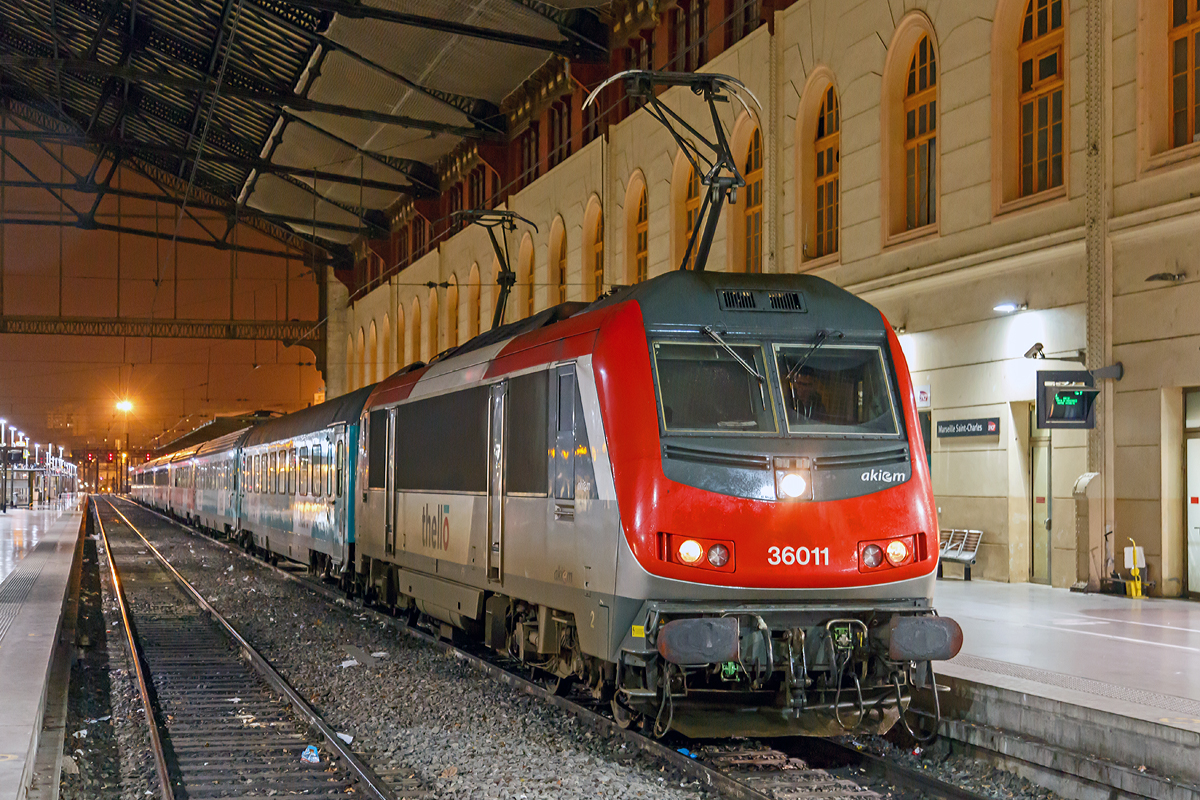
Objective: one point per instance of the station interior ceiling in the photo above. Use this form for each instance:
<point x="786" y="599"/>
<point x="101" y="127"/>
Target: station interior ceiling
<point x="205" y="162"/>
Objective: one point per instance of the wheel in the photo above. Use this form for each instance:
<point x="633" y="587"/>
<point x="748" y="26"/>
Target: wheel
<point x="622" y="715"/>
<point x="561" y="687"/>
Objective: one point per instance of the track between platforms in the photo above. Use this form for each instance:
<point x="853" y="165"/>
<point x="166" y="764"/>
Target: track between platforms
<point x="222" y="721"/>
<point x="747" y="771"/>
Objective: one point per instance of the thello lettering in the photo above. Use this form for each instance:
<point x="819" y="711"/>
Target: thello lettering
<point x="435" y="527"/>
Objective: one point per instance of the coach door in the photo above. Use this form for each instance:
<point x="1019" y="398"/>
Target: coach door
<point x="497" y="408"/>
<point x="389" y="512"/>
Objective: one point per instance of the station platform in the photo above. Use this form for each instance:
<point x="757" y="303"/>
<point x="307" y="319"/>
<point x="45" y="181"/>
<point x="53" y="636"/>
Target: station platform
<point x="37" y="553"/>
<point x="1077" y="678"/>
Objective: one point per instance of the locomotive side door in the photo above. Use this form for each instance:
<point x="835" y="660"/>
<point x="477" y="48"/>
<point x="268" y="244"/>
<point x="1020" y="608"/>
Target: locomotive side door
<point x="389" y="493"/>
<point x="497" y="408"/>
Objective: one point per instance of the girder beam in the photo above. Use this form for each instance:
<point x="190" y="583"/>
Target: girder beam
<point x="276" y="99"/>
<point x="570" y="48"/>
<point x="309" y="333"/>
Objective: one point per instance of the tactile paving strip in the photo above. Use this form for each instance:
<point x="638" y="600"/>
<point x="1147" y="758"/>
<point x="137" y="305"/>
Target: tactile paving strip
<point x="15" y="589"/>
<point x="1179" y="705"/>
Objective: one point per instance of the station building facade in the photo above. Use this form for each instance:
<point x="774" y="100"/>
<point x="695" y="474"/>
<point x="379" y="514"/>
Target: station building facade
<point x="944" y="160"/>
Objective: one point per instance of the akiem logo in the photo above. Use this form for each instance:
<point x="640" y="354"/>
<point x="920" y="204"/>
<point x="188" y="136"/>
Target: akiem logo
<point x="884" y="476"/>
<point x="435" y="527"/>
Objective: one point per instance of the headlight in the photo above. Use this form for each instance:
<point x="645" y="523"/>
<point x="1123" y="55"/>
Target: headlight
<point x="690" y="551"/>
<point x="718" y="555"/>
<point x="897" y="551"/>
<point x="793" y="478"/>
<point x="793" y="484"/>
<point x="872" y="556"/>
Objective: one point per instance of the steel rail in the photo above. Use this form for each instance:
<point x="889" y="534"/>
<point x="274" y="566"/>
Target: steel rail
<point x="135" y="653"/>
<point x="914" y="780"/>
<point x="375" y="785"/>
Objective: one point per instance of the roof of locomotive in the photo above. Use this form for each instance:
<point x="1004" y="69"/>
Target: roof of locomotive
<point x="344" y="409"/>
<point x="683" y="297"/>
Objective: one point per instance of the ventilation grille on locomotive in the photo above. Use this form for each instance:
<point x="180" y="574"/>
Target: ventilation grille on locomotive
<point x="761" y="300"/>
<point x="738" y="301"/>
<point x="785" y="301"/>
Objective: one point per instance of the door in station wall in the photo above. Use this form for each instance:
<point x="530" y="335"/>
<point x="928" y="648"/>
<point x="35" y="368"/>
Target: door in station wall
<point x="1042" y="504"/>
<point x="1191" y="495"/>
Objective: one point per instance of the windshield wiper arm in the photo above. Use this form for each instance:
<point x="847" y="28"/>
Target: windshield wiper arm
<point x="821" y="338"/>
<point x="716" y="337"/>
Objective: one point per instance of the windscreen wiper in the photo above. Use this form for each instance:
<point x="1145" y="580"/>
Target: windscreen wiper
<point x="821" y="339"/>
<point x="762" y="382"/>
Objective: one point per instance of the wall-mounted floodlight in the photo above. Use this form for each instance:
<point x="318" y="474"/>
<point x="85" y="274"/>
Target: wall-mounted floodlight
<point x="1037" y="351"/>
<point x="1008" y="308"/>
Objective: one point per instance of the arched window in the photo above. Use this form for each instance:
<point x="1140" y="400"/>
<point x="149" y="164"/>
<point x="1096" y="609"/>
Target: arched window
<point x="386" y="360"/>
<point x="753" y="173"/>
<point x="641" y="255"/>
<point x="691" y="209"/>
<point x="452" y="312"/>
<point x="432" y="338"/>
<point x="372" y="360"/>
<point x="827" y="146"/>
<point x="525" y="273"/>
<point x="417" y="347"/>
<point x="360" y="361"/>
<point x="1041" y="97"/>
<point x="597" y="253"/>
<point x="920" y="137"/>
<point x="473" y="304"/>
<point x="1184" y="39"/>
<point x="401" y="356"/>
<point x="350" y="362"/>
<point x="561" y="269"/>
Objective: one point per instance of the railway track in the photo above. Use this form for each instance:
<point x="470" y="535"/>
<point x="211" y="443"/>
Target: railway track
<point x="223" y="722"/>
<point x="745" y="770"/>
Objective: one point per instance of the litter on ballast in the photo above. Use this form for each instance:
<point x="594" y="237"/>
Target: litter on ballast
<point x="310" y="755"/>
<point x="349" y="662"/>
<point x="345" y="737"/>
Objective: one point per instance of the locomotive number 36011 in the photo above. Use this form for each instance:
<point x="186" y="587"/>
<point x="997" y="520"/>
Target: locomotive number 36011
<point x="798" y="555"/>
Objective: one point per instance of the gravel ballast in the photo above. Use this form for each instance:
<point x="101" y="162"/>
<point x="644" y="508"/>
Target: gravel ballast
<point x="412" y="710"/>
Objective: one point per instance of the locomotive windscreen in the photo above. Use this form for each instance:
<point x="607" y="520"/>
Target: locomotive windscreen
<point x="702" y="387"/>
<point x="836" y="389"/>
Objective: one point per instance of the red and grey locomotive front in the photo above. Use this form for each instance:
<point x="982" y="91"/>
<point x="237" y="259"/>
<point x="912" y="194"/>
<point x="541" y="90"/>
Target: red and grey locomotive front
<point x="779" y="538"/>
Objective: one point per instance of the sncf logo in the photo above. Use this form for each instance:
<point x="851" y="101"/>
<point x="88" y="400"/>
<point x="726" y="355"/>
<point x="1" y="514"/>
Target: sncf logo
<point x="883" y="476"/>
<point x="435" y="527"/>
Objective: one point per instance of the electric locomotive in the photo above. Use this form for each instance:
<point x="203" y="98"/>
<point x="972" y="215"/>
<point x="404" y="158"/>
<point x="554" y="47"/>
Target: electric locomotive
<point x="705" y="497"/>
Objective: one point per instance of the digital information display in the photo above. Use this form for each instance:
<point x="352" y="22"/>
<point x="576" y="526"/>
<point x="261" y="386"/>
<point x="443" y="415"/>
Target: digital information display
<point x="1066" y="399"/>
<point x="1073" y="405"/>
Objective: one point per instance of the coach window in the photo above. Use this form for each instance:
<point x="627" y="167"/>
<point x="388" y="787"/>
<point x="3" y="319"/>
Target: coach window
<point x="318" y="480"/>
<point x="377" y="449"/>
<point x="341" y="466"/>
<point x="302" y="478"/>
<point x="526" y="462"/>
<point x="446" y="439"/>
<point x="293" y="478"/>
<point x="255" y="464"/>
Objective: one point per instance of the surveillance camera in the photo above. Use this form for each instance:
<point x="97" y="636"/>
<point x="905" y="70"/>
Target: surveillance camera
<point x="1035" y="351"/>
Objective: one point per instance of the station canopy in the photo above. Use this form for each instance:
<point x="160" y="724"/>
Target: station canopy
<point x="313" y="116"/>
